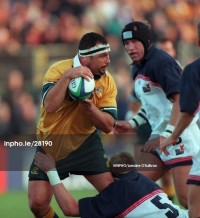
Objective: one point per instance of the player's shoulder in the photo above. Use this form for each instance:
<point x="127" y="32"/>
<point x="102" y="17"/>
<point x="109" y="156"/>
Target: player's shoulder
<point x="192" y="69"/>
<point x="62" y="64"/>
<point x="158" y="56"/>
<point x="56" y="70"/>
<point x="106" y="80"/>
<point x="193" y="65"/>
<point x="109" y="76"/>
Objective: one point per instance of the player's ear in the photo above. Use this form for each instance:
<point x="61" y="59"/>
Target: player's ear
<point x="84" y="61"/>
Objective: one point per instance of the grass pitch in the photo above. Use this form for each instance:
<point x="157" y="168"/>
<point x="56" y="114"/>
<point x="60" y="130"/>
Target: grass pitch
<point x="14" y="204"/>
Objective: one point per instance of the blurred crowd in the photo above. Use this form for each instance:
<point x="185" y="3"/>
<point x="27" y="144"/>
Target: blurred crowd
<point x="18" y="109"/>
<point x="41" y="22"/>
<point x="36" y="22"/>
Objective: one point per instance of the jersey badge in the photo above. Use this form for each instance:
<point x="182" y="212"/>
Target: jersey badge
<point x="34" y="170"/>
<point x="146" y="88"/>
<point x="99" y="90"/>
<point x="180" y="150"/>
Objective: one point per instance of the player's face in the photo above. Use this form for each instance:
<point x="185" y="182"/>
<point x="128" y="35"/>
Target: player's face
<point x="168" y="47"/>
<point x="135" y="49"/>
<point x="98" y="63"/>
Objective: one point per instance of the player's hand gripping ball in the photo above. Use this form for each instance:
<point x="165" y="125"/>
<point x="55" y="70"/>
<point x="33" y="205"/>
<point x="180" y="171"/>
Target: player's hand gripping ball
<point x="80" y="89"/>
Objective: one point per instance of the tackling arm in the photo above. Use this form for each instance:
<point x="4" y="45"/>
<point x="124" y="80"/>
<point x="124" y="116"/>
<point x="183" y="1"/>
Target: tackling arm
<point x="67" y="203"/>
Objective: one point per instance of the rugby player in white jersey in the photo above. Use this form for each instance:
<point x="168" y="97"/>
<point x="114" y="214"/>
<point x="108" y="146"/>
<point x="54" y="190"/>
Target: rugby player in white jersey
<point x="189" y="106"/>
<point x="157" y="85"/>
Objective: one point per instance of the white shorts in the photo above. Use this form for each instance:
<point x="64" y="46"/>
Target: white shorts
<point x="194" y="175"/>
<point x="182" y="153"/>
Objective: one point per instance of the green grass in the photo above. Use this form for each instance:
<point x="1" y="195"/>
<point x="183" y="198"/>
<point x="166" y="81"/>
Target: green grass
<point x="14" y="204"/>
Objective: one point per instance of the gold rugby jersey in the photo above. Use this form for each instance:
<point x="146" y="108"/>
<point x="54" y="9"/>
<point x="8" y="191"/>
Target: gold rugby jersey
<point x="69" y="127"/>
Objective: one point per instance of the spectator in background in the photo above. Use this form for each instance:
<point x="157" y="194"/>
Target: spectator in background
<point x="6" y="129"/>
<point x="21" y="103"/>
<point x="166" y="45"/>
<point x="15" y="86"/>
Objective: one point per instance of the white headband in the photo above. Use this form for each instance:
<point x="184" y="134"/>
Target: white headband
<point x="98" y="49"/>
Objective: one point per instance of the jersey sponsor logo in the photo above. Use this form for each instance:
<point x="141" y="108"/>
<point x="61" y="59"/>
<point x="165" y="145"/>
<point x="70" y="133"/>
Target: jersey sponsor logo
<point x="180" y="150"/>
<point x="34" y="170"/>
<point x="146" y="88"/>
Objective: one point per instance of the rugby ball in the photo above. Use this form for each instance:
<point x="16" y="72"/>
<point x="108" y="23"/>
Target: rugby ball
<point x="80" y="89"/>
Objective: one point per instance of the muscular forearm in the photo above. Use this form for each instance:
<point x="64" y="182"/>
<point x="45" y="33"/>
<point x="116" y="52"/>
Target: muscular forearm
<point x="182" y="123"/>
<point x="56" y="95"/>
<point x="101" y="120"/>
<point x="67" y="203"/>
<point x="65" y="200"/>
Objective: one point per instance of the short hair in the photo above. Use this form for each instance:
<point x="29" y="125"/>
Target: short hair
<point x="121" y="163"/>
<point x="91" y="39"/>
<point x="163" y="39"/>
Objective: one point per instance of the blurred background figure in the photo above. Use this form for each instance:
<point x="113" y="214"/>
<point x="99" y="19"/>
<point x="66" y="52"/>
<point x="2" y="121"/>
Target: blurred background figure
<point x="21" y="103"/>
<point x="166" y="45"/>
<point x="6" y="129"/>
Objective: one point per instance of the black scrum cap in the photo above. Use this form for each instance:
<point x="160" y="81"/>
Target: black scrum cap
<point x="138" y="30"/>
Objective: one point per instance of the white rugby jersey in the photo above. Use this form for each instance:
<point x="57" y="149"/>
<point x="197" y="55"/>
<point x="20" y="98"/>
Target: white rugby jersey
<point x="154" y="205"/>
<point x="156" y="79"/>
<point x="154" y="102"/>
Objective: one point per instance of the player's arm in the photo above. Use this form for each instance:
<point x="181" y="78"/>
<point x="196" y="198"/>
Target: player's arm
<point x="67" y="203"/>
<point x="100" y="119"/>
<point x="137" y="120"/>
<point x="189" y="106"/>
<point x="185" y="118"/>
<point x="104" y="115"/>
<point x="152" y="144"/>
<point x="56" y="94"/>
<point x="175" y="97"/>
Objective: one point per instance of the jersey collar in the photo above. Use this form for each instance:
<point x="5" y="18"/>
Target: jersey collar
<point x="76" y="61"/>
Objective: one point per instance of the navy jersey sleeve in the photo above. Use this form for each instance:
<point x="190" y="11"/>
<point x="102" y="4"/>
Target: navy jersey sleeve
<point x="190" y="88"/>
<point x="168" y="75"/>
